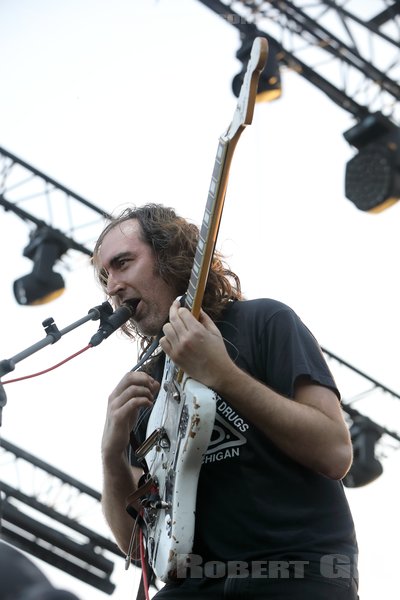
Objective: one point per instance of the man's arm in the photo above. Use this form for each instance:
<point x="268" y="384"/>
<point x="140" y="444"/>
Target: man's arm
<point x="118" y="482"/>
<point x="309" y="428"/>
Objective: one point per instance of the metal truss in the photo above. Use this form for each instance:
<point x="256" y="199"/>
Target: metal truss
<point x="377" y="403"/>
<point x="43" y="203"/>
<point x="349" y="49"/>
<point x="50" y="515"/>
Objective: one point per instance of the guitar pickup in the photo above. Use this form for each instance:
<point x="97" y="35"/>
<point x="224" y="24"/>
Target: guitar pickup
<point x="158" y="438"/>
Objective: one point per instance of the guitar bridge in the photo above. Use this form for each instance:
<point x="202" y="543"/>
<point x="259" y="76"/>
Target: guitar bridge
<point x="158" y="438"/>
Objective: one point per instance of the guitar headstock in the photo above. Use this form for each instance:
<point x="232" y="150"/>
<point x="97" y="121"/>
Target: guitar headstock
<point x="245" y="106"/>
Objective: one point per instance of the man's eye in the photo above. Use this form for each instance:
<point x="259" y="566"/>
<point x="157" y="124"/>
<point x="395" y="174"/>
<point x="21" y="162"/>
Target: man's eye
<point x="123" y="262"/>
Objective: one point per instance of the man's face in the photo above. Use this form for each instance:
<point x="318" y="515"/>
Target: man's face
<point x="131" y="276"/>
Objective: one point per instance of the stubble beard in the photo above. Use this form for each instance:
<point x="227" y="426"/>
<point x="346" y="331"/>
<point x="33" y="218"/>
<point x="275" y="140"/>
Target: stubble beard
<point x="150" y="326"/>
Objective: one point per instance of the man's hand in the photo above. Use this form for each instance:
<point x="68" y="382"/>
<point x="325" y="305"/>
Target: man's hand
<point x="196" y="346"/>
<point x="134" y="391"/>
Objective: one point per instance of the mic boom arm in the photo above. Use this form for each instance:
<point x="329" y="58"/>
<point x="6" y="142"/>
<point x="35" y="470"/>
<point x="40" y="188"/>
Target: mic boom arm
<point x="110" y="322"/>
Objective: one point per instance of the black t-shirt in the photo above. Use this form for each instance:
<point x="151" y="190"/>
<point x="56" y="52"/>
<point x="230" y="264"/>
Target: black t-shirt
<point x="253" y="501"/>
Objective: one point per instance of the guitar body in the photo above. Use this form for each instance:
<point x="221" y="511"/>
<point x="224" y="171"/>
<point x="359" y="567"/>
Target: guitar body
<point x="186" y="411"/>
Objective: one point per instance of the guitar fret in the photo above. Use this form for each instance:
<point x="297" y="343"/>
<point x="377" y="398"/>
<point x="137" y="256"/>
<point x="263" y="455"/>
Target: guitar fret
<point x="193" y="283"/>
<point x="198" y="259"/>
<point x="189" y="301"/>
<point x="218" y="161"/>
<point x="191" y="290"/>
<point x="204" y="232"/>
<point x="216" y="176"/>
<point x="213" y="187"/>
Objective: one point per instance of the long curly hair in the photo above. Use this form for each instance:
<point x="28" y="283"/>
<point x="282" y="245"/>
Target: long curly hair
<point x="174" y="242"/>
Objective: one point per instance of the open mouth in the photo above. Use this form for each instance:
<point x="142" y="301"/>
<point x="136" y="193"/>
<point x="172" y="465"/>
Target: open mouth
<point x="132" y="304"/>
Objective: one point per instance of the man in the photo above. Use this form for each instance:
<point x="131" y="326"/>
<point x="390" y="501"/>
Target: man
<point x="272" y="520"/>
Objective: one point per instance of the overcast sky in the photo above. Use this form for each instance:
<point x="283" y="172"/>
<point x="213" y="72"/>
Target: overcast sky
<point x="124" y="102"/>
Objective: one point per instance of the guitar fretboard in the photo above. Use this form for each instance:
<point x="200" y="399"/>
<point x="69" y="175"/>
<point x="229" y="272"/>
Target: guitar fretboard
<point x="208" y="232"/>
<point x="216" y="195"/>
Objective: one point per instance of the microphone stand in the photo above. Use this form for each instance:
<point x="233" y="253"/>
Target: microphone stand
<point x="53" y="334"/>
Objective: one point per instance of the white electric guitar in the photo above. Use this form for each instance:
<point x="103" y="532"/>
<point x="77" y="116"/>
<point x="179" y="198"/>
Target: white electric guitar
<point x="182" y="419"/>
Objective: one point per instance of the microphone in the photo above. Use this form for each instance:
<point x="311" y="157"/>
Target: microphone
<point x="112" y="323"/>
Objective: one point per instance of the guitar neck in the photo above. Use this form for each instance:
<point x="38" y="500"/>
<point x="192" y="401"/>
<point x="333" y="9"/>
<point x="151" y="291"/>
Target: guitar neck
<point x="216" y="195"/>
<point x="210" y="225"/>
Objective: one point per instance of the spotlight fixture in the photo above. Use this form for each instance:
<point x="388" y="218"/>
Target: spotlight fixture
<point x="42" y="285"/>
<point x="372" y="180"/>
<point x="269" y="85"/>
<point x="366" y="467"/>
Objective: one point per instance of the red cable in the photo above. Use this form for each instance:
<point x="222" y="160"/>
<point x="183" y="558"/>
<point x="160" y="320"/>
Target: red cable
<point x="50" y="368"/>
<point x="144" y="566"/>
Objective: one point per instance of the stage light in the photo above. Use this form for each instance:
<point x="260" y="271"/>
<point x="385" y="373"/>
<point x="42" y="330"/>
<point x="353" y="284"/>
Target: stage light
<point x="366" y="467"/>
<point x="269" y="85"/>
<point x="43" y="284"/>
<point x="372" y="180"/>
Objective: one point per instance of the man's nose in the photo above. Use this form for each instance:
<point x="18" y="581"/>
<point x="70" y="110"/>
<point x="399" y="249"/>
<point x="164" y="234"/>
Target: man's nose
<point x="114" y="285"/>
